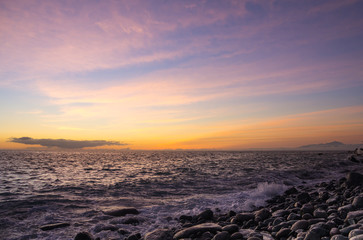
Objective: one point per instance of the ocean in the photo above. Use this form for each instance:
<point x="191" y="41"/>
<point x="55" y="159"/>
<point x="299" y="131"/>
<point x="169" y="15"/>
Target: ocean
<point x="45" y="187"/>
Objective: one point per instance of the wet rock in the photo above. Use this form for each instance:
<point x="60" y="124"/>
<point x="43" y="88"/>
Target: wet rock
<point x="205" y="215"/>
<point x="320" y="213"/>
<point x="277" y="221"/>
<point x="333" y="200"/>
<point x="313" y="234"/>
<point x="122" y="212"/>
<point x="83" y="236"/>
<point x="262" y="214"/>
<point x="222" y="236"/>
<point x="316" y="220"/>
<point x="293" y="216"/>
<point x="354" y="179"/>
<point x="339" y="237"/>
<point x="283" y="232"/>
<point x="236" y="236"/>
<point x="357" y="202"/>
<point x="359" y="237"/>
<point x="185" y="233"/>
<point x="53" y="226"/>
<point x="355" y="215"/>
<point x="343" y="210"/>
<point x="324" y="196"/>
<point x="334" y="231"/>
<point x="241" y="217"/>
<point x="345" y="231"/>
<point x="355" y="232"/>
<point x="307" y="208"/>
<point x="206" y="236"/>
<point x="303" y="197"/>
<point x="159" y="234"/>
<point x="281" y="213"/>
<point x="307" y="216"/>
<point x="291" y="191"/>
<point x="301" y="224"/>
<point x="232" y="228"/>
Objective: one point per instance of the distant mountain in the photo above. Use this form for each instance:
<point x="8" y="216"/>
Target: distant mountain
<point x="335" y="145"/>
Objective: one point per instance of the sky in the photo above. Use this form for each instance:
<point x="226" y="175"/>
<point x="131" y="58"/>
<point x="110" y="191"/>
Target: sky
<point x="161" y="74"/>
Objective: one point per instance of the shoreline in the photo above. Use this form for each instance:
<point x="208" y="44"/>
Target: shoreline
<point x="325" y="210"/>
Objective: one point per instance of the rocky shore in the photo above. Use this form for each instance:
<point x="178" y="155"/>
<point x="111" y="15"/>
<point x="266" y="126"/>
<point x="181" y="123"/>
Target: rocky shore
<point x="328" y="210"/>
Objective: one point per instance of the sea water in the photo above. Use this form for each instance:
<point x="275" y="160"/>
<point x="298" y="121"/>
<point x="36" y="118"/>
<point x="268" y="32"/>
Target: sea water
<point x="45" y="187"/>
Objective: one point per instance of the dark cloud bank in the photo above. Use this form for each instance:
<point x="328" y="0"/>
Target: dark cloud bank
<point x="65" y="143"/>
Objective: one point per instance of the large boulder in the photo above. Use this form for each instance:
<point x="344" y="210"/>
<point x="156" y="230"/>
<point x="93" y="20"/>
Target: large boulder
<point x="354" y="179"/>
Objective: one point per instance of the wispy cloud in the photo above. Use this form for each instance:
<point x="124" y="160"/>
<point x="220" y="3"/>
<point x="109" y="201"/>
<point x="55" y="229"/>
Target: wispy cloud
<point x="65" y="143"/>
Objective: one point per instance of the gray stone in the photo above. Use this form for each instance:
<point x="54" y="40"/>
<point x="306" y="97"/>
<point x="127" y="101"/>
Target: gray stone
<point x="281" y="213"/>
<point x="185" y="233"/>
<point x="159" y="234"/>
<point x="303" y="197"/>
<point x="241" y="217"/>
<point x="354" y="179"/>
<point x="283" y="232"/>
<point x="307" y="216"/>
<point x="358" y="202"/>
<point x="53" y="226"/>
<point x="343" y="210"/>
<point x="334" y="231"/>
<point x="307" y="208"/>
<point x="236" y="236"/>
<point x="358" y="237"/>
<point x="277" y="221"/>
<point x="355" y="215"/>
<point x="206" y="215"/>
<point x="121" y="212"/>
<point x="345" y="231"/>
<point x="333" y="200"/>
<point x="320" y="213"/>
<point x="355" y="232"/>
<point x="232" y="228"/>
<point x="222" y="236"/>
<point x="262" y="214"/>
<point x="301" y="224"/>
<point x="312" y="236"/>
<point x="206" y="236"/>
<point x="293" y="216"/>
<point x="319" y="231"/>
<point x="339" y="237"/>
<point x="83" y="236"/>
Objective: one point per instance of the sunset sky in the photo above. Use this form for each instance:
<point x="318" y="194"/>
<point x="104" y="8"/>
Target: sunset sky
<point x="181" y="74"/>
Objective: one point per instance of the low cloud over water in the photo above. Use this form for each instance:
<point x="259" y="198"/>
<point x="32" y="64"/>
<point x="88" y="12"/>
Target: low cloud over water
<point x="65" y="143"/>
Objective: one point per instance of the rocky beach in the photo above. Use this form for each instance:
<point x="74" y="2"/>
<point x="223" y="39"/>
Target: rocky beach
<point x="327" y="210"/>
<point x="180" y="195"/>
